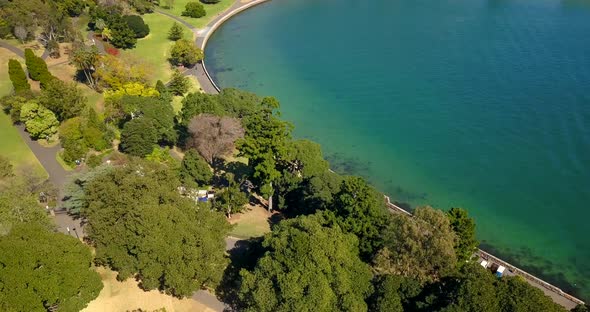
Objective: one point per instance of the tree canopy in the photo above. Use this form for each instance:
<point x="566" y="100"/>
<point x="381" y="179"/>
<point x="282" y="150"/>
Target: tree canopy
<point x="41" y="269"/>
<point x="140" y="224"/>
<point x="307" y="267"/>
<point x="464" y="227"/>
<point x="194" y="171"/>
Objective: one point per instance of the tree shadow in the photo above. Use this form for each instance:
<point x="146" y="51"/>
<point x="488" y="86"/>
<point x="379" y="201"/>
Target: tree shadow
<point x="244" y="255"/>
<point x="275" y="218"/>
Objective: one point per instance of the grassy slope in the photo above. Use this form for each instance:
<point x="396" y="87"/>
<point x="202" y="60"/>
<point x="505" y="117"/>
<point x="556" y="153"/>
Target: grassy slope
<point x="211" y="9"/>
<point x="11" y="144"/>
<point x="155" y="47"/>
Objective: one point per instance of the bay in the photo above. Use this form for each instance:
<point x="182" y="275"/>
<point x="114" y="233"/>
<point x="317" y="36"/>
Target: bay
<point x="477" y="104"/>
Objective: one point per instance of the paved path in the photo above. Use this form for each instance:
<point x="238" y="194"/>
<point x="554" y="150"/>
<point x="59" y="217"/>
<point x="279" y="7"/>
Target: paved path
<point x="178" y="19"/>
<point x="10" y="47"/>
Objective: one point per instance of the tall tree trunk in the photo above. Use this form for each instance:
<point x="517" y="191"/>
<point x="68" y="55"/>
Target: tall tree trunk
<point x="270" y="198"/>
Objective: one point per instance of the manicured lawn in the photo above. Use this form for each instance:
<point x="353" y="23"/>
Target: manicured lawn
<point x="11" y="144"/>
<point x="211" y="9"/>
<point x="154" y="48"/>
<point x="253" y="222"/>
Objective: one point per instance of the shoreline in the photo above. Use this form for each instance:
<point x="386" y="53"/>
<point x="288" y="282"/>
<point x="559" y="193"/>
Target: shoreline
<point x="559" y="296"/>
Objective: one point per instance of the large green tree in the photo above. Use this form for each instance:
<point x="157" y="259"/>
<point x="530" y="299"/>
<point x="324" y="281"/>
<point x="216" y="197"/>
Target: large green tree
<point x="139" y="136"/>
<point x="307" y="267"/>
<point x="185" y="52"/>
<point x="386" y="297"/>
<point x="266" y="145"/>
<point x="141" y="226"/>
<point x="179" y="83"/>
<point x="516" y="295"/>
<point x="418" y="247"/>
<point x="464" y="227"/>
<point x="18" y="206"/>
<point x="231" y="199"/>
<point x="39" y="121"/>
<point x="359" y="209"/>
<point x="86" y="60"/>
<point x="194" y="9"/>
<point x="41" y="270"/>
<point x="63" y="99"/>
<point x="17" y="76"/>
<point x="194" y="170"/>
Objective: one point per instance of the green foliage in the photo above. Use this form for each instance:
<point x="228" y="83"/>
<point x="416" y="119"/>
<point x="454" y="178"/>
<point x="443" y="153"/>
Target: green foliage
<point x="4" y="29"/>
<point x="238" y="103"/>
<point x="17" y="76"/>
<point x="473" y="290"/>
<point x="72" y="7"/>
<point x="143" y="6"/>
<point x="121" y="35"/>
<point x="18" y="206"/>
<point x="359" y="209"/>
<point x="419" y="247"/>
<point x="41" y="269"/>
<point x="86" y="60"/>
<point x="194" y="9"/>
<point x="36" y="66"/>
<point x="176" y="32"/>
<point x="179" y="83"/>
<point x="307" y="267"/>
<point x="386" y="297"/>
<point x="94" y="161"/>
<point x="194" y="170"/>
<point x="139" y="136"/>
<point x="185" y="52"/>
<point x="74" y="191"/>
<point x="141" y="225"/>
<point x="464" y="227"/>
<point x="162" y="155"/>
<point x="199" y="103"/>
<point x="63" y="99"/>
<point x="72" y="140"/>
<point x="13" y="103"/>
<point x="155" y="109"/>
<point x="581" y="308"/>
<point x="39" y="121"/>
<point x="306" y="158"/>
<point x="516" y="295"/>
<point x="231" y="199"/>
<point x="136" y="23"/>
<point x="266" y="144"/>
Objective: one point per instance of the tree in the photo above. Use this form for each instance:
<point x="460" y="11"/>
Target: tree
<point x="19" y="206"/>
<point x="185" y="52"/>
<point x="464" y="227"/>
<point x="265" y="145"/>
<point x="64" y="99"/>
<point x="14" y="102"/>
<point x="307" y="267"/>
<point x="158" y="111"/>
<point x="42" y="271"/>
<point x="194" y="171"/>
<point x="53" y="48"/>
<point x="121" y="35"/>
<point x="17" y="76"/>
<point x="39" y="121"/>
<point x="194" y="9"/>
<point x="21" y="33"/>
<point x="214" y="136"/>
<point x="473" y="289"/>
<point x="141" y="226"/>
<point x="359" y="209"/>
<point x="74" y="191"/>
<point x="231" y="199"/>
<point x="306" y="159"/>
<point x="418" y="247"/>
<point x="115" y="72"/>
<point x="199" y="103"/>
<point x="176" y="32"/>
<point x="36" y="66"/>
<point x="72" y="140"/>
<point x="580" y="308"/>
<point x="179" y="83"/>
<point x="386" y="297"/>
<point x="519" y="296"/>
<point x="138" y="137"/>
<point x="86" y="60"/>
<point x="136" y="23"/>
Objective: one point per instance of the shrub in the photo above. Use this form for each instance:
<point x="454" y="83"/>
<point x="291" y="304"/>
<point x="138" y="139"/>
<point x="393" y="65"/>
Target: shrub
<point x="18" y="76"/>
<point x="109" y="49"/>
<point x="194" y="9"/>
<point x="121" y="35"/>
<point x="136" y="23"/>
<point x="179" y="84"/>
<point x="185" y="52"/>
<point x="176" y="32"/>
<point x="94" y="161"/>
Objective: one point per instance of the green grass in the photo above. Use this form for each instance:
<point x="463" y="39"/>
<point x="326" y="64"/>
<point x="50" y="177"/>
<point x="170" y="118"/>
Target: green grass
<point x="252" y="223"/>
<point x="154" y="49"/>
<point x="63" y="163"/>
<point x="177" y="100"/>
<point x="211" y="9"/>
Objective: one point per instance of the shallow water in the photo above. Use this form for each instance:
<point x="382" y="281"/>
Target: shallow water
<point x="456" y="103"/>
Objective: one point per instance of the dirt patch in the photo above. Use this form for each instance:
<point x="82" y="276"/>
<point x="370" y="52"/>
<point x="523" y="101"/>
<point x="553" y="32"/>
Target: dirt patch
<point x="123" y="296"/>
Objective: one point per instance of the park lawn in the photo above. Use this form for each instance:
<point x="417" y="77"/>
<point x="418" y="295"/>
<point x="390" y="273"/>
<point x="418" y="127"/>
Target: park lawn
<point x="211" y="9"/>
<point x="177" y="100"/>
<point x="12" y="145"/>
<point x="253" y="222"/>
<point x="154" y="49"/>
<point x="127" y="296"/>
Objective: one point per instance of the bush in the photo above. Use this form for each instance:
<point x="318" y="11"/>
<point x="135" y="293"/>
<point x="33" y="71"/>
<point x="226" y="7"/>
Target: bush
<point x="36" y="66"/>
<point x="185" y="52"/>
<point x="194" y="9"/>
<point x="121" y="35"/>
<point x="176" y="32"/>
<point x="179" y="84"/>
<point x="18" y="76"/>
<point x="94" y="161"/>
<point x="136" y="23"/>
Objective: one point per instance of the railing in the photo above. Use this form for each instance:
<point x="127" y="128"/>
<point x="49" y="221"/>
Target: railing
<point x="485" y="255"/>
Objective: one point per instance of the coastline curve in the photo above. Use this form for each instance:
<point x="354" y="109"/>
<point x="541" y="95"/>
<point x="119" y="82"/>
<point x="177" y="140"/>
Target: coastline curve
<point x="204" y="34"/>
<point x="559" y="296"/>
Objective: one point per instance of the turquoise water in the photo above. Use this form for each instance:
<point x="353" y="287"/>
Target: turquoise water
<point x="477" y="104"/>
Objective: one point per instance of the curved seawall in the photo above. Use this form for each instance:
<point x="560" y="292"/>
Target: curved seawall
<point x="209" y="85"/>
